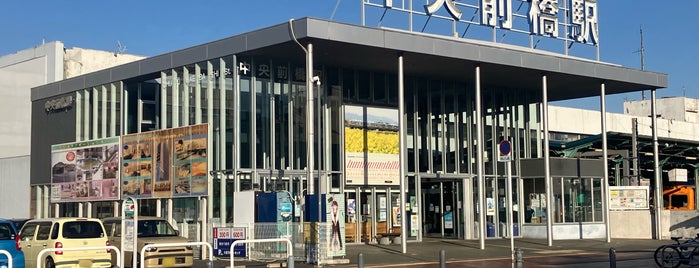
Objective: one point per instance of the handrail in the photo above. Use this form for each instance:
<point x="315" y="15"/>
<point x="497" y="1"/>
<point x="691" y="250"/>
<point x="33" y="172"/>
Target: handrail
<point x="289" y="251"/>
<point x="9" y="257"/>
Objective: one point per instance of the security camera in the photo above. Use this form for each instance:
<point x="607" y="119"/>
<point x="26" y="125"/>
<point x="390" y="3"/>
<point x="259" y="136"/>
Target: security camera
<point x="316" y="79"/>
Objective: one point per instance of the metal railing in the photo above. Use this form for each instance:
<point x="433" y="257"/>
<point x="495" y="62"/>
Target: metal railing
<point x="44" y="251"/>
<point x="9" y="257"/>
<point x="143" y="250"/>
<point x="289" y="251"/>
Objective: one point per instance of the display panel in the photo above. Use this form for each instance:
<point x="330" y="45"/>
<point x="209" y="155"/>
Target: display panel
<point x="166" y="163"/>
<point x="85" y="171"/>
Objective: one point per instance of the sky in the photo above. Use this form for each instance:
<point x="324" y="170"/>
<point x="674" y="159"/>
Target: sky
<point x="154" y="27"/>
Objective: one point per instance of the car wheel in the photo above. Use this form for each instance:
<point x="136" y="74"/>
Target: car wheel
<point x="49" y="263"/>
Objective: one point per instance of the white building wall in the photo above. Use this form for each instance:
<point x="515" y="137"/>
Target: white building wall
<point x="675" y="108"/>
<point x="80" y="61"/>
<point x="19" y="72"/>
<point x="587" y="122"/>
<point x="14" y="178"/>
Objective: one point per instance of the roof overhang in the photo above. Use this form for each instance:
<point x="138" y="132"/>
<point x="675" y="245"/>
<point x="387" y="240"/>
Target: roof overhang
<point x="377" y="49"/>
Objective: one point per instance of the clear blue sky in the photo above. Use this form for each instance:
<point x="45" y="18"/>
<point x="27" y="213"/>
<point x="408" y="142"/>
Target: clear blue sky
<point x="154" y="27"/>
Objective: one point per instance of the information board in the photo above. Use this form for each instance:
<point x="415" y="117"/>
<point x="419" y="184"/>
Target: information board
<point x="628" y="197"/>
<point x="224" y="238"/>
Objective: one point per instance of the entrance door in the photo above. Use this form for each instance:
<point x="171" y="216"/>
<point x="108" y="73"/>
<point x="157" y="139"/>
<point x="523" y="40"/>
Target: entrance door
<point x="441" y="201"/>
<point x="497" y="209"/>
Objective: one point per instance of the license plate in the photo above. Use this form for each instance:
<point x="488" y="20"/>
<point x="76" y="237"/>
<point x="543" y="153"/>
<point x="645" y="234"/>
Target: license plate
<point x="85" y="263"/>
<point x="168" y="261"/>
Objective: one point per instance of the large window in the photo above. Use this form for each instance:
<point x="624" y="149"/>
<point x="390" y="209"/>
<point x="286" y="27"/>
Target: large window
<point x="574" y="200"/>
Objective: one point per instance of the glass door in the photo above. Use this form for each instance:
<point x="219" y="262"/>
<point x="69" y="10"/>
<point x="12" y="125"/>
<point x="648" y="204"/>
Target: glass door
<point x="441" y="208"/>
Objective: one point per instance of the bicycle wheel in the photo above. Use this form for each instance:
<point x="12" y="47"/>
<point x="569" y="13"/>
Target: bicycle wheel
<point x="667" y="257"/>
<point x="694" y="257"/>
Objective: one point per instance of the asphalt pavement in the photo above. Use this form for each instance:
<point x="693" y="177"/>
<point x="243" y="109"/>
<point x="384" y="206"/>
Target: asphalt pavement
<point x="636" y="253"/>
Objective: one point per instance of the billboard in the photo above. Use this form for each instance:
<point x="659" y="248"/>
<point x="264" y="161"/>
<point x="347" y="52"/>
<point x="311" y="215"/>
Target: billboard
<point x="371" y="146"/>
<point x="165" y="163"/>
<point x="85" y="171"/>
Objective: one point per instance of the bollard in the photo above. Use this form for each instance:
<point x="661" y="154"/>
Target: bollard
<point x="518" y="257"/>
<point x="360" y="260"/>
<point x="612" y="257"/>
<point x="442" y="259"/>
<point x="290" y="262"/>
<point x="209" y="264"/>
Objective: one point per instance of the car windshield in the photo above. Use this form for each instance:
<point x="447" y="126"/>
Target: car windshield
<point x="155" y="228"/>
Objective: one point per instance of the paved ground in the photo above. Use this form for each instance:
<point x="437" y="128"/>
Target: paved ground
<point x="467" y="253"/>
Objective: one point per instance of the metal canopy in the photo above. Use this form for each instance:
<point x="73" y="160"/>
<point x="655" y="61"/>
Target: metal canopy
<point x="673" y="153"/>
<point x="351" y="46"/>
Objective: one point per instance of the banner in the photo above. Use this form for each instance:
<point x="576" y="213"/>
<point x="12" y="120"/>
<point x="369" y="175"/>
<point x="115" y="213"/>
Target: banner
<point x="371" y="146"/>
<point x="85" y="171"/>
<point x="166" y="163"/>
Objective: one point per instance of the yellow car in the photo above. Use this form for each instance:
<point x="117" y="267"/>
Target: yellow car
<point x="152" y="230"/>
<point x="65" y="233"/>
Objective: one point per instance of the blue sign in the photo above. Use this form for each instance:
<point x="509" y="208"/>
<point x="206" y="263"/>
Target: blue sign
<point x="224" y="238"/>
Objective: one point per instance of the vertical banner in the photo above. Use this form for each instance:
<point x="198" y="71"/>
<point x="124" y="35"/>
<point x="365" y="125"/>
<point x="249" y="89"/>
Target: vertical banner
<point x="190" y="161"/>
<point x="165" y="163"/>
<point x="371" y="146"/>
<point x="137" y="164"/>
<point x="162" y="183"/>
<point x="85" y="171"/>
<point x="335" y="204"/>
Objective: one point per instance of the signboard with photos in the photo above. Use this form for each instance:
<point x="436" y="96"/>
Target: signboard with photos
<point x="85" y="171"/>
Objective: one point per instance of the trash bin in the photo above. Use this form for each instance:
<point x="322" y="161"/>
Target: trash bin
<point x="490" y="229"/>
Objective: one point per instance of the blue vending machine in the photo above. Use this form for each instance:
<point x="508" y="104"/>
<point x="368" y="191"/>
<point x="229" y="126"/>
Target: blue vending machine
<point x="274" y="207"/>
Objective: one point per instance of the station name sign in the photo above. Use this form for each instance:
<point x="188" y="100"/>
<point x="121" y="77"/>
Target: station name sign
<point x="59" y="104"/>
<point x="545" y="17"/>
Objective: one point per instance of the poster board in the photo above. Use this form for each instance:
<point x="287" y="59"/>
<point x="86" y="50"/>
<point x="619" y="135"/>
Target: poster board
<point x="371" y="146"/>
<point x="628" y="197"/>
<point x="165" y="163"/>
<point x="85" y="171"/>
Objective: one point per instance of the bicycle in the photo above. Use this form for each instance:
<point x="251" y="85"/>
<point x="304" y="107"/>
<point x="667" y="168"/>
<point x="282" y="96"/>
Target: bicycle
<point x="674" y="255"/>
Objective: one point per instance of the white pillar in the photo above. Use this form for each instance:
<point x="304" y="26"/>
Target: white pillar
<point x="605" y="181"/>
<point x="547" y="162"/>
<point x="479" y="160"/>
<point x="658" y="169"/>
<point x="309" y="120"/>
<point x="402" y="153"/>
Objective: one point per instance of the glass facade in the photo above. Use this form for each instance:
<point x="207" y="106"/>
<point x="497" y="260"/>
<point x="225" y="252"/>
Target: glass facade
<point x="255" y="108"/>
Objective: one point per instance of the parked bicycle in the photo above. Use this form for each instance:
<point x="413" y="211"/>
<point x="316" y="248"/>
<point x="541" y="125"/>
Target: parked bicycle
<point x="678" y="253"/>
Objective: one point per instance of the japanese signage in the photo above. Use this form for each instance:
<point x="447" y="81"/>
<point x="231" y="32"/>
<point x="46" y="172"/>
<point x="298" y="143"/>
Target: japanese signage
<point x="165" y="163"/>
<point x="85" y="171"/>
<point x="571" y="20"/>
<point x="628" y="197"/>
<point x="371" y="146"/>
<point x="224" y="238"/>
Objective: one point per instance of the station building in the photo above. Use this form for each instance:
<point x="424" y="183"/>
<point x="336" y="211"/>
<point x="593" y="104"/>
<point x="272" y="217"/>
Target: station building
<point x="368" y="106"/>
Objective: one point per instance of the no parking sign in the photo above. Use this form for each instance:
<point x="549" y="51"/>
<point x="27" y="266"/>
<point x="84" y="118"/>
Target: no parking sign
<point x="505" y="149"/>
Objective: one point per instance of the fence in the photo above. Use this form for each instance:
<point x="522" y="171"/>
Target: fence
<point x="304" y="243"/>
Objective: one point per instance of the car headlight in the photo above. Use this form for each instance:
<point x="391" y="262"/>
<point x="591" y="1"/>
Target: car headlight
<point x="151" y="249"/>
